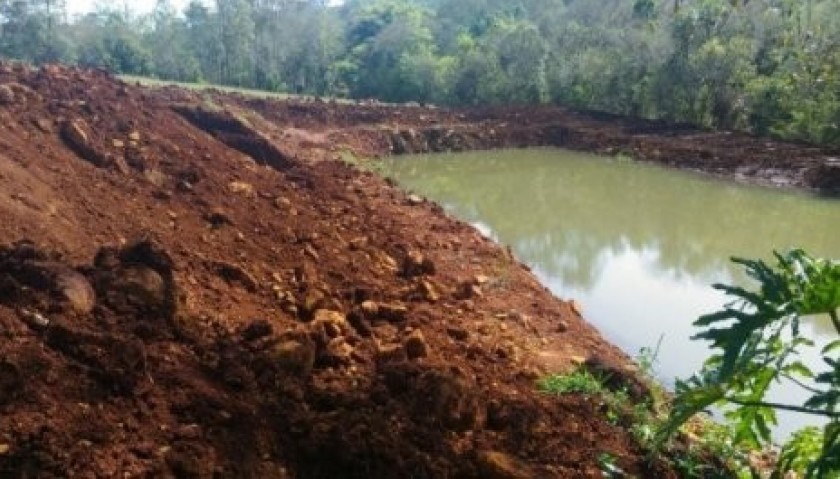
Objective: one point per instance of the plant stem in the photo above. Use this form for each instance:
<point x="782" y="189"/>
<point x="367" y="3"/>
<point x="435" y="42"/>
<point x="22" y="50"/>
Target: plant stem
<point x="786" y="407"/>
<point x="835" y="320"/>
<point x="801" y="384"/>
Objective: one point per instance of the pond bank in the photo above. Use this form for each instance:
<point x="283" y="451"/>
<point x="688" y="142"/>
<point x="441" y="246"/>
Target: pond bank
<point x="380" y="130"/>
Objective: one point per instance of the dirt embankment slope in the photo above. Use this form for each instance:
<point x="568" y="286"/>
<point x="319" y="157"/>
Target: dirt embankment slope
<point x="191" y="286"/>
<point x="186" y="292"/>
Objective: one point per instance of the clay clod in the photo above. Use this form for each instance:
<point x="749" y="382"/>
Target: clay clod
<point x="138" y="278"/>
<point x="416" y="346"/>
<point x="498" y="465"/>
<point x="416" y="264"/>
<point x="29" y="277"/>
<point x="77" y="135"/>
<point x="294" y="355"/>
<point x="7" y="95"/>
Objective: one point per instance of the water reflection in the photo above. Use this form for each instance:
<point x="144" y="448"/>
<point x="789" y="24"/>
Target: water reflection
<point x="568" y="213"/>
<point x="637" y="245"/>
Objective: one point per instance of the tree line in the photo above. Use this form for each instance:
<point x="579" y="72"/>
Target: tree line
<point x="771" y="67"/>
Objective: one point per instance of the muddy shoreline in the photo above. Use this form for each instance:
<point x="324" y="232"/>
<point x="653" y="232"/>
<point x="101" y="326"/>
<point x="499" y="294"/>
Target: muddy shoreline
<point x="193" y="285"/>
<point x="371" y="130"/>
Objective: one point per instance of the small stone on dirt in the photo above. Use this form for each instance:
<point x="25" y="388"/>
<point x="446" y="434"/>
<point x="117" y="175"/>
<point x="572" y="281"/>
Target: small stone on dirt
<point x="428" y="291"/>
<point x="416" y="346"/>
<point x="75" y="132"/>
<point x="358" y="243"/>
<point x="188" y="431"/>
<point x="393" y="352"/>
<point x="562" y="326"/>
<point x="498" y="465"/>
<point x="76" y="290"/>
<point x="530" y="373"/>
<point x="44" y="125"/>
<point x="11" y="381"/>
<point x="34" y="319"/>
<point x="370" y="308"/>
<point x="459" y="334"/>
<point x="234" y="273"/>
<point x="121" y="165"/>
<point x="7" y="95"/>
<point x="294" y="356"/>
<point x="218" y="218"/>
<point x="416" y="264"/>
<point x="241" y="188"/>
<point x="134" y="136"/>
<point x="4" y="449"/>
<point x="257" y="329"/>
<point x="313" y="300"/>
<point x="135" y="286"/>
<point x="329" y="324"/>
<point x="467" y="290"/>
<point x="118" y="144"/>
<point x="617" y="377"/>
<point x="414" y="200"/>
<point x="282" y="202"/>
<point x="310" y="251"/>
<point x="338" y="351"/>
<point x="386" y="262"/>
<point x="394" y="312"/>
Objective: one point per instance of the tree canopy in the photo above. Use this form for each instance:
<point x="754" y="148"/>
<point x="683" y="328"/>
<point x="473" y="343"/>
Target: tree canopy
<point x="771" y="67"/>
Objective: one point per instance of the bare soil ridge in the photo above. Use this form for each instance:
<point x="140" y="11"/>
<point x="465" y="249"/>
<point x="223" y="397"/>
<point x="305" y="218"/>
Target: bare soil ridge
<point x="192" y="286"/>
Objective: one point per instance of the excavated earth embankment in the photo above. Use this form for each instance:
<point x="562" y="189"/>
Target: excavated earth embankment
<point x="191" y="285"/>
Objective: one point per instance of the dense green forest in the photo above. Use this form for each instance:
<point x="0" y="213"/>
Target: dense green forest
<point x="764" y="66"/>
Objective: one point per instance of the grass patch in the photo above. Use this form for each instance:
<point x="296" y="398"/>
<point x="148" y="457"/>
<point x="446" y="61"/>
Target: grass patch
<point x="580" y="381"/>
<point x="372" y="165"/>
<point x="706" y="450"/>
<point x="158" y="83"/>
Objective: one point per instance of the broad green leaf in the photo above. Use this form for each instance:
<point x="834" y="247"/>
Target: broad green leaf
<point x="831" y="347"/>
<point x="798" y="369"/>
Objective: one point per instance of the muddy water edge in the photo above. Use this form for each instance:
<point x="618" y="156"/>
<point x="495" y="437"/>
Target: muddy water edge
<point x="638" y="245"/>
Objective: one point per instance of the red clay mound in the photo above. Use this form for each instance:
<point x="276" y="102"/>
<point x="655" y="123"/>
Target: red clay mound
<point x="185" y="292"/>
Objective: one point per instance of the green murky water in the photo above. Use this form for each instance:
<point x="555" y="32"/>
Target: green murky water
<point x="637" y="245"/>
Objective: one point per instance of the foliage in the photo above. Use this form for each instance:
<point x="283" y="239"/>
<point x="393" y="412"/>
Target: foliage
<point x="609" y="465"/>
<point x="700" y="458"/>
<point x="758" y="340"/>
<point x="770" y="67"/>
<point x="580" y="381"/>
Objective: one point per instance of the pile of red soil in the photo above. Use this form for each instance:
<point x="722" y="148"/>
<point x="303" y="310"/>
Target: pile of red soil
<point x="191" y="286"/>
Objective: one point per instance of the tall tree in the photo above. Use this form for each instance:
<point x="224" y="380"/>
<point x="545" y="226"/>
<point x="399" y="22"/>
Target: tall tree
<point x="236" y="35"/>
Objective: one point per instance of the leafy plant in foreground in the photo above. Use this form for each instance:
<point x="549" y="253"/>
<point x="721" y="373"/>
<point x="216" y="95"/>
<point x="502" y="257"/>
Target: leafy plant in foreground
<point x="758" y="340"/>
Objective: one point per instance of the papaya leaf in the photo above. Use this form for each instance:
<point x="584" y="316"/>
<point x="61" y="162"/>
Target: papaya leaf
<point x="755" y="341"/>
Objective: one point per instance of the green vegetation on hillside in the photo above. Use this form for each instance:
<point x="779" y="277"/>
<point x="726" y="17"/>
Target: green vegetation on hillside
<point x="765" y="66"/>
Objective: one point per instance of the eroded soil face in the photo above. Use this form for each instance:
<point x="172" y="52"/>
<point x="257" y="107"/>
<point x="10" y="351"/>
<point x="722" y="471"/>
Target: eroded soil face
<point x="192" y="286"/>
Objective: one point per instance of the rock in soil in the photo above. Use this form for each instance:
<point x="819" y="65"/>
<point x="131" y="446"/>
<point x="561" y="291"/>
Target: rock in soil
<point x="416" y="346"/>
<point x="498" y="465"/>
<point x="7" y="95"/>
<point x="416" y="264"/>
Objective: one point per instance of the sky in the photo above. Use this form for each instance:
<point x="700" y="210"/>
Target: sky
<point x="75" y="7"/>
